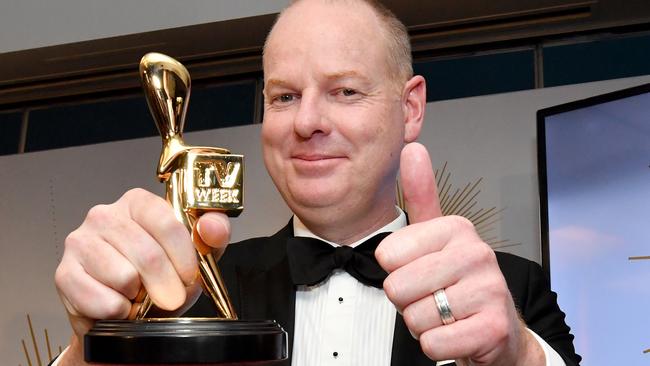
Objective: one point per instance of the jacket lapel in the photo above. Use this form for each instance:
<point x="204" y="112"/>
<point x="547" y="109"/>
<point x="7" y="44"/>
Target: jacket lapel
<point x="266" y="289"/>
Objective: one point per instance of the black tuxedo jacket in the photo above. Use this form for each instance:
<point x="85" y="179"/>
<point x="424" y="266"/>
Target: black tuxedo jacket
<point x="257" y="275"/>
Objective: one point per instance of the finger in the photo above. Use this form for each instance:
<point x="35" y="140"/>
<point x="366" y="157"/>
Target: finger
<point x="423" y="314"/>
<point x="214" y="229"/>
<point x="85" y="297"/>
<point x="421" y="278"/>
<point x="193" y="293"/>
<point x="417" y="240"/>
<point x="476" y="338"/>
<point x="158" y="219"/>
<point x="418" y="184"/>
<point x="105" y="264"/>
<point x="463" y="347"/>
<point x="157" y="273"/>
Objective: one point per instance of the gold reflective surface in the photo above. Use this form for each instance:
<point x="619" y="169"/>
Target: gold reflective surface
<point x="197" y="178"/>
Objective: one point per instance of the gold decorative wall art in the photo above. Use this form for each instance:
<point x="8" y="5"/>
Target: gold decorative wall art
<point x="36" y="352"/>
<point x="465" y="202"/>
<point x="635" y="258"/>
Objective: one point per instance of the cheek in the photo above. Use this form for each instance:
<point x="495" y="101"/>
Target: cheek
<point x="360" y="125"/>
<point x="267" y="143"/>
<point x="384" y="141"/>
<point x="272" y="135"/>
<point x="379" y="131"/>
<point x="273" y="140"/>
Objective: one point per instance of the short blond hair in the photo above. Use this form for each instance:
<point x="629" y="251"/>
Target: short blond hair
<point x="398" y="43"/>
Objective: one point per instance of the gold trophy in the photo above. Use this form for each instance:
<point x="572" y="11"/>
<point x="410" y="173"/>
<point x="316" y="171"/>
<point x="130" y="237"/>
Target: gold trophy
<point x="197" y="179"/>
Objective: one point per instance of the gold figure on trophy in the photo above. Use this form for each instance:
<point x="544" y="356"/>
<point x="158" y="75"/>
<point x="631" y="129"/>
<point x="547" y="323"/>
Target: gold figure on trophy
<point x="197" y="179"/>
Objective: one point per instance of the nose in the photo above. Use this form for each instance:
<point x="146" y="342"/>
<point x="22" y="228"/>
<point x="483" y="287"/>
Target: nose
<point x="310" y="118"/>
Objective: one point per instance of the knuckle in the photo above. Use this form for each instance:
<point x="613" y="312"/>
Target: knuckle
<point x="484" y="253"/>
<point x="496" y="292"/>
<point x="135" y="194"/>
<point x="137" y="197"/>
<point x="73" y="240"/>
<point x="478" y="254"/>
<point x="114" y="308"/>
<point x="498" y="327"/>
<point x="460" y="223"/>
<point x="61" y="276"/>
<point x="98" y="213"/>
<point x="128" y="281"/>
<point x="172" y="227"/>
<point x="492" y="288"/>
<point x="153" y="259"/>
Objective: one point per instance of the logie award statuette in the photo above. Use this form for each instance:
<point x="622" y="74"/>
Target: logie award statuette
<point x="197" y="179"/>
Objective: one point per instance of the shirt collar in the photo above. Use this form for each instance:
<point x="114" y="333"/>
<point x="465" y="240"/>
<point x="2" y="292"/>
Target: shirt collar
<point x="299" y="229"/>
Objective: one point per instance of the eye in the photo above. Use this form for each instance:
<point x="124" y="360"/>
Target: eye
<point x="348" y="92"/>
<point x="285" y="98"/>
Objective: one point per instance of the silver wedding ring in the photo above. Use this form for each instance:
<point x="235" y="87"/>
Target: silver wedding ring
<point x="443" y="307"/>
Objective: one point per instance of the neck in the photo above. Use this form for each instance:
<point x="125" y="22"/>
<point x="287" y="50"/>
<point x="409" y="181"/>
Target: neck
<point x="345" y="232"/>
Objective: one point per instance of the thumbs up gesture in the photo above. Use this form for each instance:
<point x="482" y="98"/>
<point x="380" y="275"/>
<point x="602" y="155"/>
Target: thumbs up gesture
<point x="435" y="252"/>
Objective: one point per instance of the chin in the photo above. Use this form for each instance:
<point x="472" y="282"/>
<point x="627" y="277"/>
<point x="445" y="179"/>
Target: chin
<point x="315" y="197"/>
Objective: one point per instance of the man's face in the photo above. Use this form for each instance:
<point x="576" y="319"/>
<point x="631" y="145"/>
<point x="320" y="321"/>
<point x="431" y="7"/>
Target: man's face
<point x="333" y="119"/>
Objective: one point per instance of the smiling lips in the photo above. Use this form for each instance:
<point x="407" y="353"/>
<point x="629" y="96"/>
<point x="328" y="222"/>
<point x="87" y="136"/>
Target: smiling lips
<point x="312" y="163"/>
<point x="314" y="157"/>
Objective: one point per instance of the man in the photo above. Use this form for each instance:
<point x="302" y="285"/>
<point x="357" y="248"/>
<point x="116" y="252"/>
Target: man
<point x="342" y="112"/>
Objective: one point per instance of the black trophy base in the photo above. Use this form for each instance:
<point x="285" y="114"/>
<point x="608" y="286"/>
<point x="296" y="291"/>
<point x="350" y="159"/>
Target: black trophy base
<point x="185" y="341"/>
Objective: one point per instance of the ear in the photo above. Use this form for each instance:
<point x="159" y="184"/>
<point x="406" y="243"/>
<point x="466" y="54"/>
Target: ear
<point x="414" y="101"/>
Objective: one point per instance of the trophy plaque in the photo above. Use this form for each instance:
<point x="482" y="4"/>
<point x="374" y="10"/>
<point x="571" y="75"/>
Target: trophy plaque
<point x="197" y="179"/>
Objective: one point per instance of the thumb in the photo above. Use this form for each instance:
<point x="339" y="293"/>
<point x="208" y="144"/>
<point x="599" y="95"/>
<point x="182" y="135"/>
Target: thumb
<point x="212" y="231"/>
<point x="418" y="184"/>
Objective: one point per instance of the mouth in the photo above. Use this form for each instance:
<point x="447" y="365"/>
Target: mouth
<point x="314" y="157"/>
<point x="316" y="163"/>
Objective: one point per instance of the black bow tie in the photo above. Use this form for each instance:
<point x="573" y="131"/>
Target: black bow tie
<point x="312" y="260"/>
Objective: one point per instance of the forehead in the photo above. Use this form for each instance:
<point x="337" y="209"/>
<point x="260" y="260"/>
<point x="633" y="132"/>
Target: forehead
<point x="332" y="36"/>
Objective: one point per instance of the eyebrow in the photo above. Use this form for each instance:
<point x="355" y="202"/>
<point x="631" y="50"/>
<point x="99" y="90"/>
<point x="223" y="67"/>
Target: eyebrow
<point x="351" y="74"/>
<point x="277" y="82"/>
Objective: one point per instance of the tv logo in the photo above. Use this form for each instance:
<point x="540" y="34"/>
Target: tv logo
<point x="215" y="182"/>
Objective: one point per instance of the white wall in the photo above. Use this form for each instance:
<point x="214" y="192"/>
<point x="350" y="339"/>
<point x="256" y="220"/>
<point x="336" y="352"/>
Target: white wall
<point x="26" y="24"/>
<point x="45" y="195"/>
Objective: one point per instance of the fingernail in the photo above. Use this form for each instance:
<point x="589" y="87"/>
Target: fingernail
<point x="213" y="221"/>
<point x="198" y="225"/>
<point x="414" y="336"/>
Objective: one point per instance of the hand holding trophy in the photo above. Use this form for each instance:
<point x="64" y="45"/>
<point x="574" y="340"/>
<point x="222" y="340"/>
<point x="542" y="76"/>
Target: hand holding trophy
<point x="197" y="179"/>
